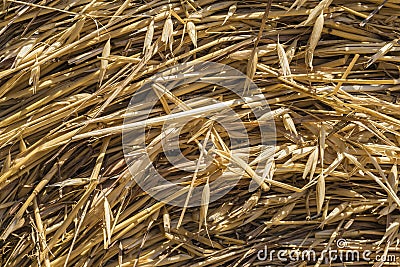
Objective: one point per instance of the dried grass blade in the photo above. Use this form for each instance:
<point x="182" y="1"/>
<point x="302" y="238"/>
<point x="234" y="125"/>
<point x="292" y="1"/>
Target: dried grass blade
<point x="291" y="50"/>
<point x="334" y="213"/>
<point x="166" y="221"/>
<point x="6" y="163"/>
<point x="149" y="37"/>
<point x="205" y="201"/>
<point x="297" y="4"/>
<point x="346" y="73"/>
<point x="389" y="191"/>
<point x="365" y="21"/>
<point x="289" y="123"/>
<point x="311" y="164"/>
<point x="75" y="33"/>
<point x="104" y="62"/>
<point x="314" y="39"/>
<point x="393" y="180"/>
<point x="202" y="152"/>
<point x="22" y="145"/>
<point x="251" y="68"/>
<point x="393" y="228"/>
<point x="191" y="28"/>
<point x="320" y="193"/>
<point x="94" y="181"/>
<point x="253" y="175"/>
<point x="383" y="51"/>
<point x="231" y="11"/>
<point x="283" y="212"/>
<point x="316" y="12"/>
<point x="322" y="139"/>
<point x="120" y="10"/>
<point x="283" y="60"/>
<point x="107" y="219"/>
<point x="24" y="51"/>
<point x="35" y="76"/>
<point x="167" y="33"/>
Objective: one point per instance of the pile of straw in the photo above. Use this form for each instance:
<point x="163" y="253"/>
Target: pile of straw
<point x="68" y="69"/>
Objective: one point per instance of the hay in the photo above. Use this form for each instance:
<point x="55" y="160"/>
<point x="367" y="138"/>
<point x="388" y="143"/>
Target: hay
<point x="328" y="69"/>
